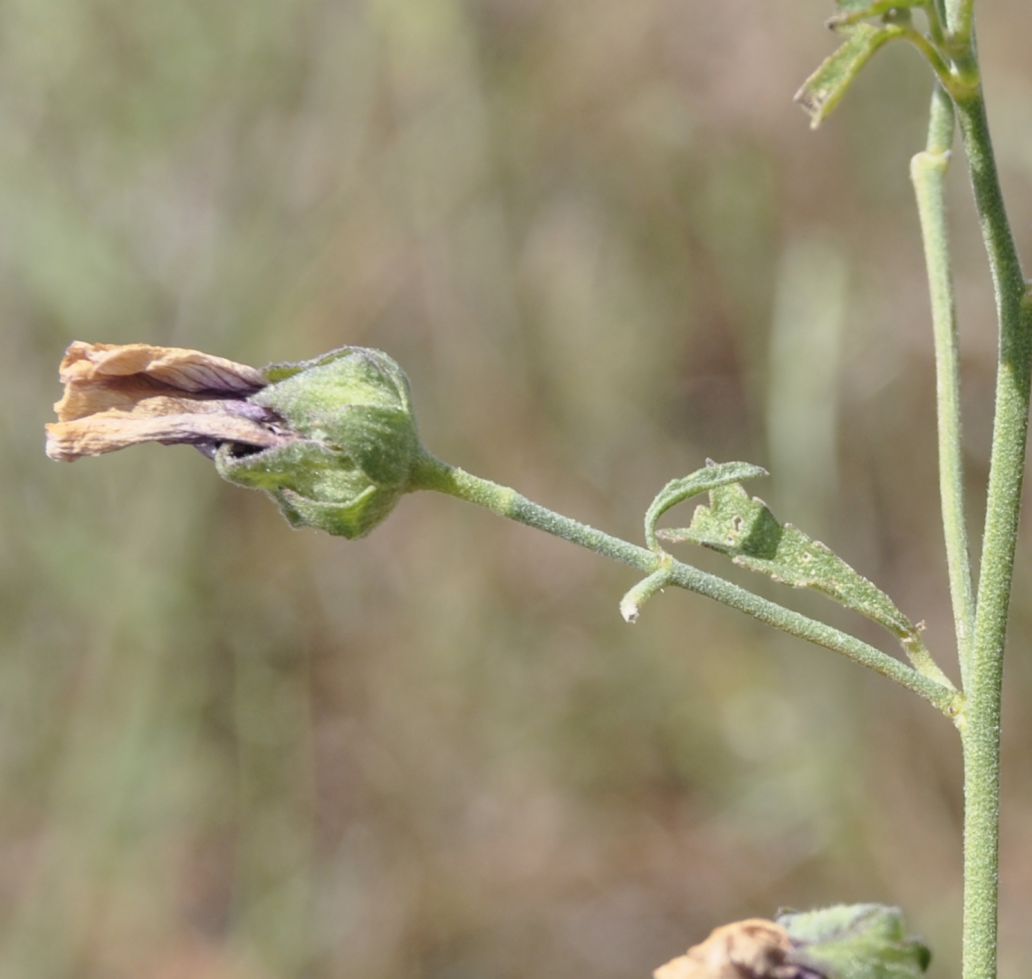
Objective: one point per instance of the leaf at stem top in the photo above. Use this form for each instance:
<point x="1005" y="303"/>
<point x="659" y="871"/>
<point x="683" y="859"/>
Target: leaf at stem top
<point x="824" y="89"/>
<point x="744" y="528"/>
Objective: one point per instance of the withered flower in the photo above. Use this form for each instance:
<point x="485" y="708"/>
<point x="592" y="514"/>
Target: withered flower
<point x="332" y="440"/>
<point x="845" y="941"/>
<point x="119" y="395"/>
<point x="753" y="949"/>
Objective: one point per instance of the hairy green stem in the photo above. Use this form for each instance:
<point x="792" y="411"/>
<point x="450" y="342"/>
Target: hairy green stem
<point x="432" y="474"/>
<point x="980" y="725"/>
<point x="928" y="172"/>
<point x="932" y="54"/>
<point x="960" y="20"/>
<point x="879" y="9"/>
<point x="936" y="21"/>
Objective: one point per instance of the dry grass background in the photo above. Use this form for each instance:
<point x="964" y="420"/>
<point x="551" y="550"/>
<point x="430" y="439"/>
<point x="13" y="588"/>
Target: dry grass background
<point x="603" y="243"/>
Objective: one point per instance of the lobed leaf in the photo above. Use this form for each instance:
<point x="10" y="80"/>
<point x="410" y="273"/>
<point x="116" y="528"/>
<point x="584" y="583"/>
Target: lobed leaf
<point x="745" y="529"/>
<point x="824" y="89"/>
<point x="702" y="480"/>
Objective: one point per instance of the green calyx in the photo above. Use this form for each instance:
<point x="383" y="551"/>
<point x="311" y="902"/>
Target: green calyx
<point x="351" y="441"/>
<point x="857" y="941"/>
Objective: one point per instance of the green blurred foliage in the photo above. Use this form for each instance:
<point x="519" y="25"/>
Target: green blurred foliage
<point x="587" y="230"/>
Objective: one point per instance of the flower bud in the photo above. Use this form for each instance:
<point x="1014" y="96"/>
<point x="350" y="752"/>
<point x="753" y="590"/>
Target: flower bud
<point x="355" y="441"/>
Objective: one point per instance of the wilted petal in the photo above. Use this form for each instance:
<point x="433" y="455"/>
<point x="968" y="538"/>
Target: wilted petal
<point x="120" y="395"/>
<point x="175" y="368"/>
<point x="753" y="949"/>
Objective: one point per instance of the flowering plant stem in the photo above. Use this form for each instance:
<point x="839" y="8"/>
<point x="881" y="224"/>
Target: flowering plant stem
<point x="980" y="623"/>
<point x="960" y="16"/>
<point x="980" y="620"/>
<point x="980" y="727"/>
<point x="432" y="474"/>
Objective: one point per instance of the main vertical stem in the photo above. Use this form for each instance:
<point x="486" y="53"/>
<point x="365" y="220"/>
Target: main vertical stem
<point x="981" y="722"/>
<point x="960" y="18"/>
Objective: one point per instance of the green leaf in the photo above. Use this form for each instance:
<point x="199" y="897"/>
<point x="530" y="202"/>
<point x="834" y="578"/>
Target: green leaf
<point x="858" y="941"/>
<point x="678" y="490"/>
<point x="824" y="89"/>
<point x="746" y="530"/>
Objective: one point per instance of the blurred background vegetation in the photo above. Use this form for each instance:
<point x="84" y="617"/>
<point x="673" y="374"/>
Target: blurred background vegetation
<point x="603" y="243"/>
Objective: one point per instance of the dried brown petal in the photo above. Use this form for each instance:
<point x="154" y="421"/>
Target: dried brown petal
<point x="175" y="368"/>
<point x="752" y="949"/>
<point x="119" y="395"/>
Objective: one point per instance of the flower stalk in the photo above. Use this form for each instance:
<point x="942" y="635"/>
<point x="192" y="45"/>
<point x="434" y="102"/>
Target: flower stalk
<point x="432" y="474"/>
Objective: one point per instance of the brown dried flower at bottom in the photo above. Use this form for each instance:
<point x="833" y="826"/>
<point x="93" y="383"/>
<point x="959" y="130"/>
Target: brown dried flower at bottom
<point x="752" y="949"/>
<point x="117" y="395"/>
